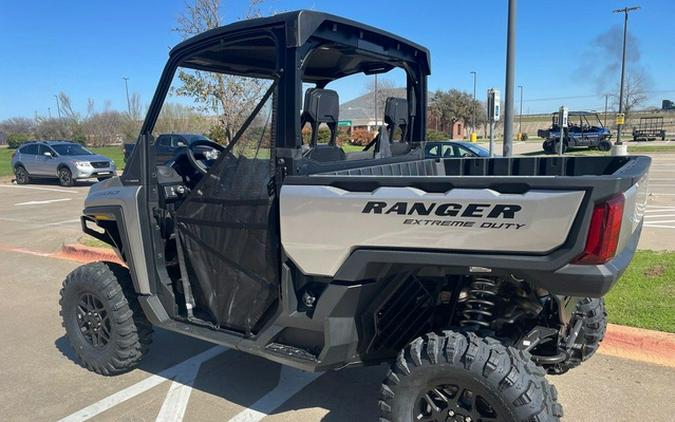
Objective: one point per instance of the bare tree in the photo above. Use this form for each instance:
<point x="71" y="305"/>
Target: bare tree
<point x="16" y="125"/>
<point x="180" y="118"/>
<point x="67" y="107"/>
<point x="104" y="128"/>
<point x="635" y="92"/>
<point x="135" y="107"/>
<point x="229" y="97"/>
<point x="379" y="92"/>
<point x="90" y="107"/>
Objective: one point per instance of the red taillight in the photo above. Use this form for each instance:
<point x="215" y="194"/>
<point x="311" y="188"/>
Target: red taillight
<point x="603" y="233"/>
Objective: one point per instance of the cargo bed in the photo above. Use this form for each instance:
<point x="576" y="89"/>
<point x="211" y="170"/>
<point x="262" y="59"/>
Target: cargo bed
<point x="525" y="213"/>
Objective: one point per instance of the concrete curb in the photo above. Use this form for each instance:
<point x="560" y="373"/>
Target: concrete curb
<point x="650" y="346"/>
<point x="85" y="254"/>
<point x="626" y="342"/>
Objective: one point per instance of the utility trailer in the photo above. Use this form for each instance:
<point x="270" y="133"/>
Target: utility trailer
<point x="649" y="129"/>
<point x="472" y="278"/>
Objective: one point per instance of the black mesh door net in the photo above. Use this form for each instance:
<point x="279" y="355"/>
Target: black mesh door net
<point x="228" y="226"/>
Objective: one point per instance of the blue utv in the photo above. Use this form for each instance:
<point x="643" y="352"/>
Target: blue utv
<point x="584" y="130"/>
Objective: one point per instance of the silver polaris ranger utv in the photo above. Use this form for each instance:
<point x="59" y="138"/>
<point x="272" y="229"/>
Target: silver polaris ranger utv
<point x="472" y="278"/>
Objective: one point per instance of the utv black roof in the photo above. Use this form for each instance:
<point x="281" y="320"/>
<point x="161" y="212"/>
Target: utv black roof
<point x="299" y="27"/>
<point x="579" y="113"/>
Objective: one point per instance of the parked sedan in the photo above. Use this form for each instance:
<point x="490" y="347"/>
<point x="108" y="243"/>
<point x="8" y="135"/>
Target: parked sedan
<point x="64" y="160"/>
<point x="454" y="149"/>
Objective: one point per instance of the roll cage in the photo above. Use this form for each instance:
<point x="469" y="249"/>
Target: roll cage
<point x="291" y="49"/>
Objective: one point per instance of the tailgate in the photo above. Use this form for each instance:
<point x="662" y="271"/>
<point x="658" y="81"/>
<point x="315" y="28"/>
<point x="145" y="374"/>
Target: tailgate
<point x="321" y="225"/>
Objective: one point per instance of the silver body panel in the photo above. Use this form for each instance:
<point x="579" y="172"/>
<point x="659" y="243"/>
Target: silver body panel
<point x="111" y="192"/>
<point x="322" y="225"/>
<point x="633" y="211"/>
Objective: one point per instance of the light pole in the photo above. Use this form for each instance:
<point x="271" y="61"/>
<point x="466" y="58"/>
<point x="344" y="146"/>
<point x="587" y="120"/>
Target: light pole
<point x="520" y="118"/>
<point x="58" y="107"/>
<point x="625" y="12"/>
<point x="473" y="106"/>
<point x="126" y="87"/>
<point x="510" y="74"/>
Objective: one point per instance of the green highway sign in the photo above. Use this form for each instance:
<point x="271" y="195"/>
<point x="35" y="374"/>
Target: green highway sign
<point x="344" y="123"/>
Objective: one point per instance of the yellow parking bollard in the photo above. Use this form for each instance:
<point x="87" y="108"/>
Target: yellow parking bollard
<point x="474" y="137"/>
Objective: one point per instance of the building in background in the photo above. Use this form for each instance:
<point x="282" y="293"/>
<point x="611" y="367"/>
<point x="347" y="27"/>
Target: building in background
<point x="359" y="113"/>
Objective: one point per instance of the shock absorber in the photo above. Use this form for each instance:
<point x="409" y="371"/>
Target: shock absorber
<point x="480" y="302"/>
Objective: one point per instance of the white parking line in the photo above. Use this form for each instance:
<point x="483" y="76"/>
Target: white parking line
<point x="37" y="188"/>
<point x="176" y="400"/>
<point x="659" y="226"/>
<point x="661" y="221"/>
<point x="291" y="381"/>
<point x="142" y="386"/>
<point x="47" y="201"/>
<point x="659" y="215"/>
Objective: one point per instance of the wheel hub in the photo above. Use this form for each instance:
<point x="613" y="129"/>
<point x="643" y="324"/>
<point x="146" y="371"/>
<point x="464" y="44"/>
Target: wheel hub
<point x="454" y="403"/>
<point x="93" y="321"/>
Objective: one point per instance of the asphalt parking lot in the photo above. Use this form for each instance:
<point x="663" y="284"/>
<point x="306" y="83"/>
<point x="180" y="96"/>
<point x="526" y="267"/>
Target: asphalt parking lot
<point x="187" y="379"/>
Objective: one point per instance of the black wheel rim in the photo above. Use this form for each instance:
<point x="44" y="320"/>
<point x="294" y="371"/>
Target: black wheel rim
<point x="446" y="402"/>
<point x="93" y="320"/>
<point x="65" y="176"/>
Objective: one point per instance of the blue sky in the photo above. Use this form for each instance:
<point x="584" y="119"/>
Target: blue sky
<point x="84" y="48"/>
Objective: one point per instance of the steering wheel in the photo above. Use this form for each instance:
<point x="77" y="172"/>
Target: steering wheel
<point x="199" y="164"/>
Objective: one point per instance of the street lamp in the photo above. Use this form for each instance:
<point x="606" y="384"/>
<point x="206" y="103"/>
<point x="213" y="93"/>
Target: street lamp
<point x="520" y="117"/>
<point x="126" y="87"/>
<point x="510" y="74"/>
<point x="625" y="12"/>
<point x="473" y="106"/>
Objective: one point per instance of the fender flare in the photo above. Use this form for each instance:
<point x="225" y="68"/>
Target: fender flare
<point x="112" y="214"/>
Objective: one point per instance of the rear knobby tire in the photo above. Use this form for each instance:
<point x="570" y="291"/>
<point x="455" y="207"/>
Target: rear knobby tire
<point x="100" y="296"/>
<point x="604" y="145"/>
<point x="593" y="328"/>
<point x="502" y="380"/>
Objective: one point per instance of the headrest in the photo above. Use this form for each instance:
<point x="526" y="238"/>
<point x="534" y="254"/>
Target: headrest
<point x="321" y="106"/>
<point x="396" y="112"/>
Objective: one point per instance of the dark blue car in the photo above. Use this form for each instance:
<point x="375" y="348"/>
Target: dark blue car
<point x="454" y="149"/>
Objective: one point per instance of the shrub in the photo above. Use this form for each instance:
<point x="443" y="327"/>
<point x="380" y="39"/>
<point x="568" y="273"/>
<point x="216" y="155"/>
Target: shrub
<point x="322" y="137"/>
<point x="436" y="135"/>
<point x="362" y="136"/>
<point x="342" y="136"/>
<point x="15" y="140"/>
<point x="217" y="133"/>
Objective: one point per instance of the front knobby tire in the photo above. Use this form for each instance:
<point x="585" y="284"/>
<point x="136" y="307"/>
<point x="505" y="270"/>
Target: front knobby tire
<point x="103" y="320"/>
<point x="593" y="327"/>
<point x="463" y="377"/>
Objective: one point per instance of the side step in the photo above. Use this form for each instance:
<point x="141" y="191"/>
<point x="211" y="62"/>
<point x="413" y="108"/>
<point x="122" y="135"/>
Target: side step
<point x="291" y="352"/>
